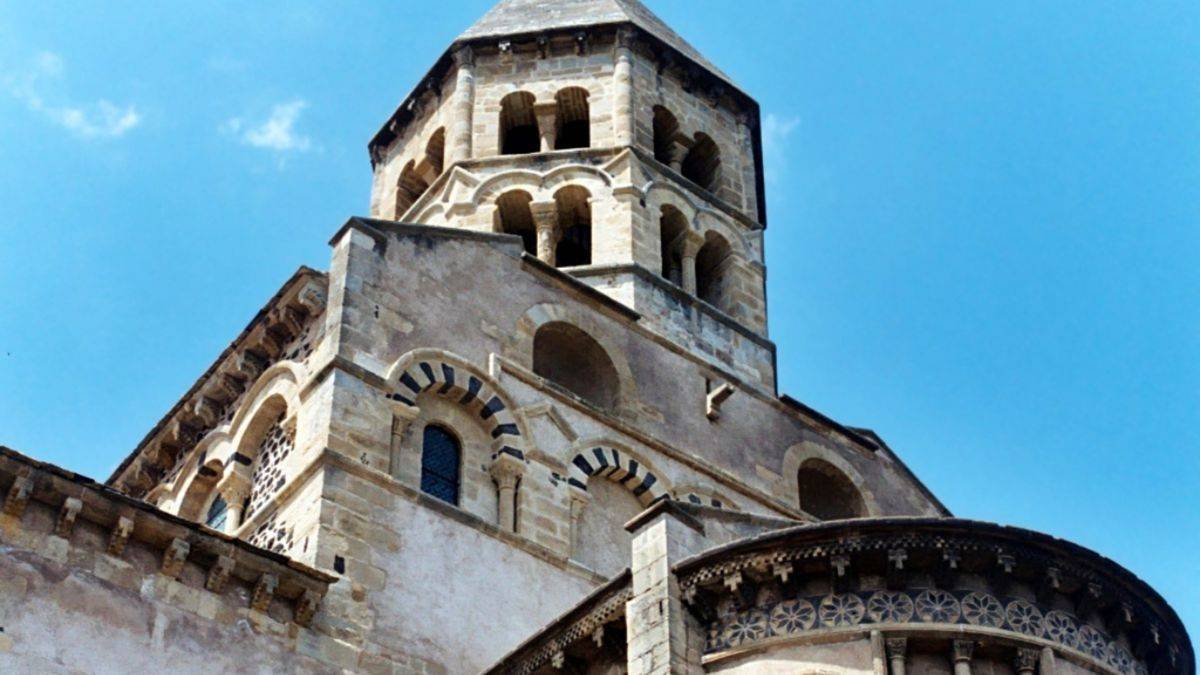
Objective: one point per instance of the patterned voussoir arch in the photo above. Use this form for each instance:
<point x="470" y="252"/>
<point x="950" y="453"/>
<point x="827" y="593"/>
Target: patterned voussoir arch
<point x="604" y="461"/>
<point x="451" y="377"/>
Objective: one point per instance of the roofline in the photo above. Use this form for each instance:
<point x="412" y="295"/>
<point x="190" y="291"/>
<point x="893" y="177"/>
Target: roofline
<point x="301" y="273"/>
<point x="907" y="471"/>
<point x="1030" y="537"/>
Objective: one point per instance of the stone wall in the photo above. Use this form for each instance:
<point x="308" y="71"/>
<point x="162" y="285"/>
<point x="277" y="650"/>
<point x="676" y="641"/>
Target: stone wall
<point x="91" y="581"/>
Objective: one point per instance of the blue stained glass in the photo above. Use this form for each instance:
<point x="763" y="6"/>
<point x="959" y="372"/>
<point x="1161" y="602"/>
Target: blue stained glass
<point x="440" y="459"/>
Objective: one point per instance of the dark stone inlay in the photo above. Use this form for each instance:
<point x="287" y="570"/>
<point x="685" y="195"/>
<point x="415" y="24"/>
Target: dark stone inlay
<point x="493" y="406"/>
<point x="408" y="381"/>
<point x="505" y="429"/>
<point x="448" y="376"/>
<point x="473" y="387"/>
<point x="583" y="465"/>
<point x="428" y="370"/>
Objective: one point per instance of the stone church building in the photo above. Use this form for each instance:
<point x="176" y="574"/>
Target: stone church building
<point x="528" y="422"/>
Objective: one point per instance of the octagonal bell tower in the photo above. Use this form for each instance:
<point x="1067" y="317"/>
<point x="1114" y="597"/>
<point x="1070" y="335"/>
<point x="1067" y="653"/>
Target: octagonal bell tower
<point x="619" y="155"/>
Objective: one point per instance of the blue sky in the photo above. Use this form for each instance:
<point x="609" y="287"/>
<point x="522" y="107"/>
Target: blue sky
<point x="984" y="225"/>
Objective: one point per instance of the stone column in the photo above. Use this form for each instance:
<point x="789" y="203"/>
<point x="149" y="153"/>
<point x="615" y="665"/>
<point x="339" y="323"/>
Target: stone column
<point x="547" y="115"/>
<point x="897" y="649"/>
<point x="463" y="112"/>
<point x="963" y="651"/>
<point x="656" y="623"/>
<point x="234" y="489"/>
<point x="1027" y="661"/>
<point x="1049" y="664"/>
<point x="507" y="470"/>
<point x="623" y="90"/>
<point x="679" y="150"/>
<point x="689" y="246"/>
<point x="545" y="220"/>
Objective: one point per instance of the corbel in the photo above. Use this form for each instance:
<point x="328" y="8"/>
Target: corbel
<point x="207" y="409"/>
<point x="219" y="573"/>
<point x="306" y="607"/>
<point x="18" y="496"/>
<point x="839" y="569"/>
<point x="66" y="517"/>
<point x="174" y="556"/>
<point x="715" y="398"/>
<point x="558" y="660"/>
<point x="264" y="591"/>
<point x="119" y="536"/>
<point x="1051" y="583"/>
<point x="312" y="297"/>
<point x="897" y="576"/>
<point x="1089" y="600"/>
<point x="251" y="363"/>
<point x="543" y="46"/>
<point x="183" y="433"/>
<point x="581" y="42"/>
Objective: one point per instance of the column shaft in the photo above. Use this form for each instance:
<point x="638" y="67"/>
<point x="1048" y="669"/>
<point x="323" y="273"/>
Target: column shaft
<point x="623" y="92"/>
<point x="462" y="119"/>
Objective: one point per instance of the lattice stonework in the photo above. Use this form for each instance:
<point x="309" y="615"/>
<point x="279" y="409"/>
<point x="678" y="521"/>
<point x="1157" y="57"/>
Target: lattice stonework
<point x="276" y="445"/>
<point x="800" y="615"/>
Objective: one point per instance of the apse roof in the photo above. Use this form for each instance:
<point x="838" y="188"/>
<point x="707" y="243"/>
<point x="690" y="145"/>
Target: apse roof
<point x="515" y="17"/>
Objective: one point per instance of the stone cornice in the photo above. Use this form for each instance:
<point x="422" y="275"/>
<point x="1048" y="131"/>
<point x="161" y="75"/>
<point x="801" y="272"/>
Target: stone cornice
<point x="604" y="605"/>
<point x="27" y="483"/>
<point x="202" y="407"/>
<point x="899" y="571"/>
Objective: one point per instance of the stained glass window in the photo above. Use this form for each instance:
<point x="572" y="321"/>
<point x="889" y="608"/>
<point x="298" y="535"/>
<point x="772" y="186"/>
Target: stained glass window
<point x="216" y="514"/>
<point x="440" y="459"/>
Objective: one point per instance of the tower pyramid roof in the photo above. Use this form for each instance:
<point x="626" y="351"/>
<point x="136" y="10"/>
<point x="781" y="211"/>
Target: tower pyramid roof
<point x="515" y="17"/>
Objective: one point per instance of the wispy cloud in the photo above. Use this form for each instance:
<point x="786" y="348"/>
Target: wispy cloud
<point x="277" y="132"/>
<point x="95" y="120"/>
<point x="776" y="133"/>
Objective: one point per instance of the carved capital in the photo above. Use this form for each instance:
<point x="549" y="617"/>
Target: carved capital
<point x="625" y="39"/>
<point x="1027" y="661"/>
<point x="174" y="556"/>
<point x="464" y="57"/>
<point x="506" y="470"/>
<point x="235" y="486"/>
<point x="896" y="648"/>
<point x="964" y="650"/>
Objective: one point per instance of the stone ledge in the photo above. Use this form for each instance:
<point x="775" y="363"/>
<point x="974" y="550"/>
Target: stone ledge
<point x="77" y="499"/>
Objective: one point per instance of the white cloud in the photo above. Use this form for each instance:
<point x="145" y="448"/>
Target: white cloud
<point x="277" y="132"/>
<point x="100" y="119"/>
<point x="775" y="134"/>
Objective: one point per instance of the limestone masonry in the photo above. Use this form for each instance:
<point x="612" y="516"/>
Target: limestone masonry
<point x="527" y="422"/>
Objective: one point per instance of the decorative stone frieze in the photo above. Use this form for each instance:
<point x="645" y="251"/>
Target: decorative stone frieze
<point x="1097" y="613"/>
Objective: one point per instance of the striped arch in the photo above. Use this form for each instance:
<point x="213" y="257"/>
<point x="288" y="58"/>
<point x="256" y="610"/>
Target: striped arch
<point x="618" y="466"/>
<point x="702" y="496"/>
<point x="452" y="378"/>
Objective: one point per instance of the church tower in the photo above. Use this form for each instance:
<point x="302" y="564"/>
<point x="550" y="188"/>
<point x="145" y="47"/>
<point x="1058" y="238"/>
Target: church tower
<point x="527" y="420"/>
<point x="616" y="152"/>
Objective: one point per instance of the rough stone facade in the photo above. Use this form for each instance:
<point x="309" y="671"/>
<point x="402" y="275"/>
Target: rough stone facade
<point x="537" y="383"/>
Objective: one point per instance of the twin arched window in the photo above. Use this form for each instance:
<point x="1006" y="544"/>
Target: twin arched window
<point x="441" y="457"/>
